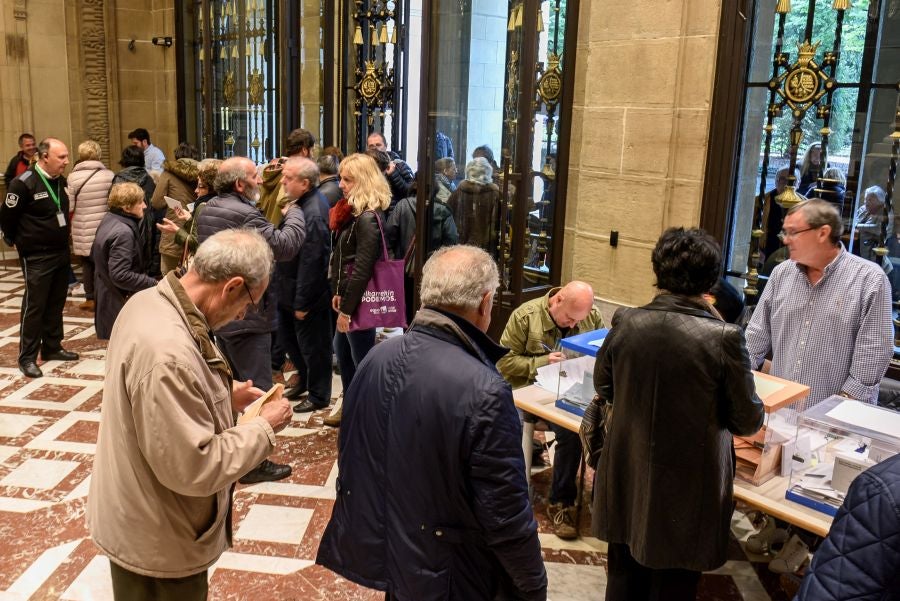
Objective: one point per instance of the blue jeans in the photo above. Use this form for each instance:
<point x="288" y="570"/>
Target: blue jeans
<point x="350" y="349"/>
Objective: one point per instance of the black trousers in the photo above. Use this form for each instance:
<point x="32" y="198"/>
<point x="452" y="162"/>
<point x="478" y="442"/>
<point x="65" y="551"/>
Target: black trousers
<point x="250" y="356"/>
<point x="566" y="459"/>
<point x="128" y="586"/>
<point x="309" y="341"/>
<point x="627" y="580"/>
<point x="46" y="285"/>
<point x="87" y="274"/>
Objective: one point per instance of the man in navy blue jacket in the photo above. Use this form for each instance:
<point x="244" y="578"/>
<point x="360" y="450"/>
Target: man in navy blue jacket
<point x="860" y="558"/>
<point x="304" y="294"/>
<point x="432" y="501"/>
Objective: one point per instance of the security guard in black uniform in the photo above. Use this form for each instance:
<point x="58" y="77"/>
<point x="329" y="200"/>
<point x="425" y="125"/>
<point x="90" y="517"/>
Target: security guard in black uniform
<point x="34" y="217"/>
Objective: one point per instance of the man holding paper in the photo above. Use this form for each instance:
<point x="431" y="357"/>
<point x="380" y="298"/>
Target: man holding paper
<point x="532" y="336"/>
<point x="160" y="500"/>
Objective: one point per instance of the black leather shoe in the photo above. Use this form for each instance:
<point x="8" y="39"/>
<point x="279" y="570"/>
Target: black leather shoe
<point x="30" y="369"/>
<point x="292" y="394"/>
<point x="307" y="406"/>
<point x="61" y="355"/>
<point x="266" y="472"/>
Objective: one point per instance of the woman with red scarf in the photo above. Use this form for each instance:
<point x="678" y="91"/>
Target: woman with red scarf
<point x="357" y="220"/>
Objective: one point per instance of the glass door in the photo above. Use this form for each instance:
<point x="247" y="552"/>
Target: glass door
<point x="494" y="128"/>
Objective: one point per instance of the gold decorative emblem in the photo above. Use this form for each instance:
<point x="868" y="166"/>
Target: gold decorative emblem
<point x="229" y="89"/>
<point x="256" y="88"/>
<point x="549" y="85"/>
<point x="369" y="85"/>
<point x="804" y="82"/>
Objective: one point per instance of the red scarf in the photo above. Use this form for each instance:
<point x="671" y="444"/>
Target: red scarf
<point x="340" y="215"/>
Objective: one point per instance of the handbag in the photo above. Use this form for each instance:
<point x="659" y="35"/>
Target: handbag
<point x="383" y="303"/>
<point x="595" y="429"/>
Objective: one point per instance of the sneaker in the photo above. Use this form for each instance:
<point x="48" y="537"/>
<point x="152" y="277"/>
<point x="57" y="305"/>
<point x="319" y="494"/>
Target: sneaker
<point x="266" y="471"/>
<point x="563" y="521"/>
<point x="769" y="538"/>
<point x="791" y="558"/>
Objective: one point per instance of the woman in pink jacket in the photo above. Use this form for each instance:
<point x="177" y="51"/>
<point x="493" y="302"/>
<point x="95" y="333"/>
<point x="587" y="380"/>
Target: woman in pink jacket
<point x="88" y="190"/>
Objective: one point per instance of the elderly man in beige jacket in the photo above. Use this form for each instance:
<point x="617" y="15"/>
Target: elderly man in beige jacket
<point x="169" y="450"/>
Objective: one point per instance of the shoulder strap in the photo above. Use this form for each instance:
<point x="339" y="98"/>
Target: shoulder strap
<point x="380" y="229"/>
<point x="74" y="198"/>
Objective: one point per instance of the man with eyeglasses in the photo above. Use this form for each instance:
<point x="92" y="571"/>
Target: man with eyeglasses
<point x="825" y="315"/>
<point x="247" y="342"/>
<point x="161" y="488"/>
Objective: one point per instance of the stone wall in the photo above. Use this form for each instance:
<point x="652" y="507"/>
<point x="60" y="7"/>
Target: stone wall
<point x="67" y="71"/>
<point x="640" y="126"/>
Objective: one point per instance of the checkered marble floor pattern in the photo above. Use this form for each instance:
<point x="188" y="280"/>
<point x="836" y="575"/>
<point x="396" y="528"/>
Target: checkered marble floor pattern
<point x="48" y="431"/>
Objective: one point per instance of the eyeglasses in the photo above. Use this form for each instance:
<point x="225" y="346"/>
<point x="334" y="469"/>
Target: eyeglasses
<point x="784" y="235"/>
<point x="252" y="302"/>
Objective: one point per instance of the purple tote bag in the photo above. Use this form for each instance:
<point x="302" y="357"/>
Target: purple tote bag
<point x="383" y="304"/>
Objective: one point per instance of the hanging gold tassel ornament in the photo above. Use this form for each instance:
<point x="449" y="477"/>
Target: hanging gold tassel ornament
<point x="511" y="26"/>
<point x="373" y="36"/>
<point x="783" y="7"/>
<point x="841" y="4"/>
<point x="519" y="10"/>
<point x="540" y="21"/>
<point x="383" y="38"/>
<point x="357" y="36"/>
<point x="394" y="35"/>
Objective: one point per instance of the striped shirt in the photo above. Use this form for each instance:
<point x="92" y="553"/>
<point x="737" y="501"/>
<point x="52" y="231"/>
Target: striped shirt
<point x="836" y="336"/>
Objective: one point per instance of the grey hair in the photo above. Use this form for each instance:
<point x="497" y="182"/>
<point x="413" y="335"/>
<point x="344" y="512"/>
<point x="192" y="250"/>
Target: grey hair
<point x="306" y="169"/>
<point x="328" y="164"/>
<point x="230" y="253"/>
<point x="818" y="213"/>
<point x="458" y="277"/>
<point x="877" y="192"/>
<point x="228" y="176"/>
<point x="835" y="174"/>
<point x="478" y="170"/>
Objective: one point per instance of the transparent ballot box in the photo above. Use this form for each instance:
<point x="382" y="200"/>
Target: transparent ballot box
<point x="759" y="458"/>
<point x="837" y="440"/>
<point x="573" y="378"/>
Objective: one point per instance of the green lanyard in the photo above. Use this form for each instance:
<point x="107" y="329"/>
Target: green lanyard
<point x="53" y="195"/>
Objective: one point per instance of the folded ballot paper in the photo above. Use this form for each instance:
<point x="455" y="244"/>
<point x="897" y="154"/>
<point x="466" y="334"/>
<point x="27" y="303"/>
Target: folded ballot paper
<point x="253" y="409"/>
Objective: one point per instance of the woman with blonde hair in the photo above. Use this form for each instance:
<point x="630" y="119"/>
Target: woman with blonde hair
<point x="87" y="187"/>
<point x="810" y="169"/>
<point x="119" y="256"/>
<point x="357" y="221"/>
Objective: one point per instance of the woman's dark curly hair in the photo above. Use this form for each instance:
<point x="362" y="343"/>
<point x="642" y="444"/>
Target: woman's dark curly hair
<point x="686" y="261"/>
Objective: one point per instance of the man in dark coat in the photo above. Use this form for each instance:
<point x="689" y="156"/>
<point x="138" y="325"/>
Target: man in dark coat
<point x="34" y="217"/>
<point x="304" y="294"/>
<point x="22" y="159"/>
<point x="432" y="501"/>
<point x="247" y="342"/>
<point x="860" y="558"/>
<point x="680" y="384"/>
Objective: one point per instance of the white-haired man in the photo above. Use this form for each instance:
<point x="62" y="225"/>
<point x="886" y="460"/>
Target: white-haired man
<point x="430" y="448"/>
<point x="160" y="500"/>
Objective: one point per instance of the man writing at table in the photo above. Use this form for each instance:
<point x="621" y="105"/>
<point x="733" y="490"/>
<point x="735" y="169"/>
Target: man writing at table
<point x="825" y="314"/>
<point x="532" y="336"/>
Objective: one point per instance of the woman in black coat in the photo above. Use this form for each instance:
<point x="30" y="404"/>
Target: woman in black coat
<point x="680" y="384"/>
<point x="118" y="254"/>
<point x="359" y="244"/>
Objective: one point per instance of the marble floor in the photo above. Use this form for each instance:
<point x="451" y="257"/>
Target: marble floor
<point x="48" y="432"/>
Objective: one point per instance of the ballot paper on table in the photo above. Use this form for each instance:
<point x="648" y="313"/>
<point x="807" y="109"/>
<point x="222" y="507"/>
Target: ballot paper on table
<point x="174" y="204"/>
<point x="256" y="406"/>
<point x="561" y="377"/>
<point x="867" y="416"/>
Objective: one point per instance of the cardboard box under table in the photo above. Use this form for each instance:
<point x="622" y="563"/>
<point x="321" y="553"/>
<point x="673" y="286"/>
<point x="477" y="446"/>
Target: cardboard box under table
<point x="836" y="440"/>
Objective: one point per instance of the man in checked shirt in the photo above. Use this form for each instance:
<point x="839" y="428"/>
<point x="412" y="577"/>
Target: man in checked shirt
<point x="825" y="314"/>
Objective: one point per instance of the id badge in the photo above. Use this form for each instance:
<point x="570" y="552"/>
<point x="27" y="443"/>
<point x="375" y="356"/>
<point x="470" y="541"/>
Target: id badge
<point x="61" y="219"/>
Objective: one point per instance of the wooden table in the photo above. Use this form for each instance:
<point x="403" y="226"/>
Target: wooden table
<point x="769" y="497"/>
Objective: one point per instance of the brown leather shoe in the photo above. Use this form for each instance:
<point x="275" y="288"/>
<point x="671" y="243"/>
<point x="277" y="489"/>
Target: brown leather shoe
<point x="334" y="420"/>
<point x="563" y="521"/>
<point x="87" y="305"/>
